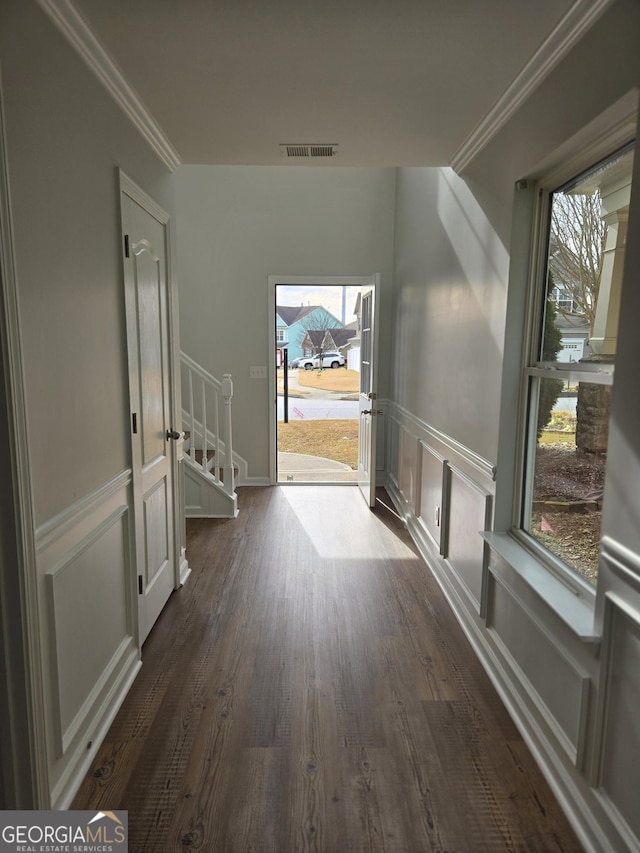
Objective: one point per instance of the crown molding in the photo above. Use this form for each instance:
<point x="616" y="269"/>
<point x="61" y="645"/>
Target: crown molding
<point x="580" y="17"/>
<point x="79" y="34"/>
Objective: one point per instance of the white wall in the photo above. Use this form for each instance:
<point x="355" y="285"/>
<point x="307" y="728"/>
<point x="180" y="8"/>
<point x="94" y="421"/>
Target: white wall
<point x="65" y="140"/>
<point x="239" y="225"/>
<point x="450" y="296"/>
<point x="460" y="272"/>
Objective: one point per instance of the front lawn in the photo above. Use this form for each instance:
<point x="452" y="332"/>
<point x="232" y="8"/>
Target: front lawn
<point x="337" y="440"/>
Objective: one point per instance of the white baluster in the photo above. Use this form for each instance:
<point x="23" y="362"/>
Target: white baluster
<point x="204" y="428"/>
<point x="192" y="430"/>
<point x="227" y="394"/>
<point x="216" y="413"/>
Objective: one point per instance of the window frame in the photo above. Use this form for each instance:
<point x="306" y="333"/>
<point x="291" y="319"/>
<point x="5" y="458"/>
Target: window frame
<point x="532" y="369"/>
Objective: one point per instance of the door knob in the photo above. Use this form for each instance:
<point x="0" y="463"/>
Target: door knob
<point x="372" y="412"/>
<point x="174" y="434"/>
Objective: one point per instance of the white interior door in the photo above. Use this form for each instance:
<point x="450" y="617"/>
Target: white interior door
<point x="148" y="338"/>
<point x="367" y="401"/>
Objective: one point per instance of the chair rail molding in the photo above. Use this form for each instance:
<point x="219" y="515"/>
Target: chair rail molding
<point x="424" y="430"/>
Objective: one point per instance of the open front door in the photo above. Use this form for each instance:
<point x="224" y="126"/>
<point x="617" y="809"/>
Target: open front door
<point x="367" y="401"/>
<point x="148" y="338"/>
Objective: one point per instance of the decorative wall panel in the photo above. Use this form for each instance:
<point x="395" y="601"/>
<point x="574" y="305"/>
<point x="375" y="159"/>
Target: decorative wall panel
<point x="431" y="498"/>
<point x="468" y="514"/>
<point x="560" y="691"/>
<point x="88" y="602"/>
<point x="619" y="776"/>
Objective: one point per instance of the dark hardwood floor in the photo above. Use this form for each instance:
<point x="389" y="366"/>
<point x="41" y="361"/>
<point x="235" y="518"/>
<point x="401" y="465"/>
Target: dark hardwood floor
<point x="310" y="690"/>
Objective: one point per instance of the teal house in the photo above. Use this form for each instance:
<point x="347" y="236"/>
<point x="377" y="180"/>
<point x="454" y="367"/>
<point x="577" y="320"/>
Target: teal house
<point x="293" y="322"/>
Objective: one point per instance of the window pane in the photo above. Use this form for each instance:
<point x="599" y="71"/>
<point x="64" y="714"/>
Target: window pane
<point x="569" y="420"/>
<point x="587" y="235"/>
<point x="565" y="506"/>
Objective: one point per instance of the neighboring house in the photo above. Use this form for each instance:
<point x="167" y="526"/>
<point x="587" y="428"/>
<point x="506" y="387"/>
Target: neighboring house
<point x="575" y="337"/>
<point x="295" y="321"/>
<point x="350" y="346"/>
<point x="282" y="340"/>
<point x="326" y="340"/>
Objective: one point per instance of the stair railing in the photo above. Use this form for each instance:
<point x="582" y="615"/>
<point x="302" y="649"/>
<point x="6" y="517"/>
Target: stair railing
<point x="208" y="420"/>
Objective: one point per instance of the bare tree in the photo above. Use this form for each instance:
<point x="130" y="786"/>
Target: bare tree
<point x="577" y="240"/>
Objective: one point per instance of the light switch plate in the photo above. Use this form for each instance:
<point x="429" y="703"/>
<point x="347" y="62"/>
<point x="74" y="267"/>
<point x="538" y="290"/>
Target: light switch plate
<point x="258" y="372"/>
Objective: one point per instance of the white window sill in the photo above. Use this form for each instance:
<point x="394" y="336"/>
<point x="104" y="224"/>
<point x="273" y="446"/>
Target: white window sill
<point x="574" y="610"/>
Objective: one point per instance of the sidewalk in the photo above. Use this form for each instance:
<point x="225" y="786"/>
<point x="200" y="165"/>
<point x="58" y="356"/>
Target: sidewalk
<point x="302" y="391"/>
<point x="299" y="468"/>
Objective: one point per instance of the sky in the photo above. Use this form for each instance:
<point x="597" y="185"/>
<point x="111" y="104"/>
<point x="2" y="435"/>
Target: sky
<point x="329" y="296"/>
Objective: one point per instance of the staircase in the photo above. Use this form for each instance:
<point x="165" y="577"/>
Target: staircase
<point x="210" y="472"/>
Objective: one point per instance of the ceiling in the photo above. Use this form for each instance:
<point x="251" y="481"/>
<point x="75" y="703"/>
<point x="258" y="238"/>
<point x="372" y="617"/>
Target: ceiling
<point x="391" y="82"/>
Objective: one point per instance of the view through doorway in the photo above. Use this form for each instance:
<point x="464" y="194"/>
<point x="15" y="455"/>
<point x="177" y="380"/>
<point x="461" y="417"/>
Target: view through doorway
<point x="317" y="335"/>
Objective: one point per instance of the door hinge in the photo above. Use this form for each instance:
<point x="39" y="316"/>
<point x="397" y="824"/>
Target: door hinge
<point x="134" y="422"/>
<point x="126" y="245"/>
<point x="140" y="590"/>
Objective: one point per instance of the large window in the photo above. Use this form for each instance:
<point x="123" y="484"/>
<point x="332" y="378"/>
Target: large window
<point x="571" y="366"/>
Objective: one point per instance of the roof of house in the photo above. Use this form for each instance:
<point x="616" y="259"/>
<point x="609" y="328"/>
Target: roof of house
<point x="316" y="337"/>
<point x="290" y="314"/>
<point x="342" y="336"/>
<point x="339" y="336"/>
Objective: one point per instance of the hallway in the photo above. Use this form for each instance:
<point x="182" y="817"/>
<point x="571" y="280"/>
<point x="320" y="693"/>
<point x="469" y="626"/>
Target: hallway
<point x="310" y="690"/>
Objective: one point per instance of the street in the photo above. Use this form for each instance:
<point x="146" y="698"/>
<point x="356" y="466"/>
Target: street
<point x="318" y="409"/>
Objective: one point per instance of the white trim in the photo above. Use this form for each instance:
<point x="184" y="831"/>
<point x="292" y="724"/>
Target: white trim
<point x="580" y="17"/>
<point x="66" y="788"/>
<point x="31" y="765"/>
<point x="145" y="201"/>
<point x="612" y="603"/>
<point x="75" y="28"/>
<point x="482" y="465"/>
<point x="57" y="526"/>
<point x="574" y="751"/>
<point x="575" y="611"/>
<point x="621" y="560"/>
<point x="607" y="133"/>
<point x="479" y="603"/>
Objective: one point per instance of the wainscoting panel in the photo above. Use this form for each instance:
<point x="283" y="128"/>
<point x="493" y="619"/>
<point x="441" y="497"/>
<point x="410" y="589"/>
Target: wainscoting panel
<point x="87" y="566"/>
<point x="558" y="689"/>
<point x="407" y="466"/>
<point x="88" y="603"/>
<point x="617" y="770"/>
<point x="393" y="443"/>
<point x="431" y="503"/>
<point x="468" y="513"/>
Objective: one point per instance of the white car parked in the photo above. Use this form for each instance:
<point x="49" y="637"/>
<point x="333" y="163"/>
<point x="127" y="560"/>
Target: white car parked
<point x="329" y="359"/>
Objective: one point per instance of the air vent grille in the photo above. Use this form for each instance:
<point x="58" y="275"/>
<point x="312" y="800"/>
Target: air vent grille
<point x="298" y="150"/>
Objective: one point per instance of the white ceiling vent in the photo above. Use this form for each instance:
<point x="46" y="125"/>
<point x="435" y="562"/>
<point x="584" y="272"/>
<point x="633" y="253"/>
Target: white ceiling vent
<point x="299" y="151"/>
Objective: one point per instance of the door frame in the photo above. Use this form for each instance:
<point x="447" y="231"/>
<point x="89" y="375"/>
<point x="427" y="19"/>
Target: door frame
<point x="181" y="568"/>
<point x="304" y="280"/>
<point x="368" y="487"/>
<point x="23" y="741"/>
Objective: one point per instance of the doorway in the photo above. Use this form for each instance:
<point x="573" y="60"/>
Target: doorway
<point x="316" y="327"/>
